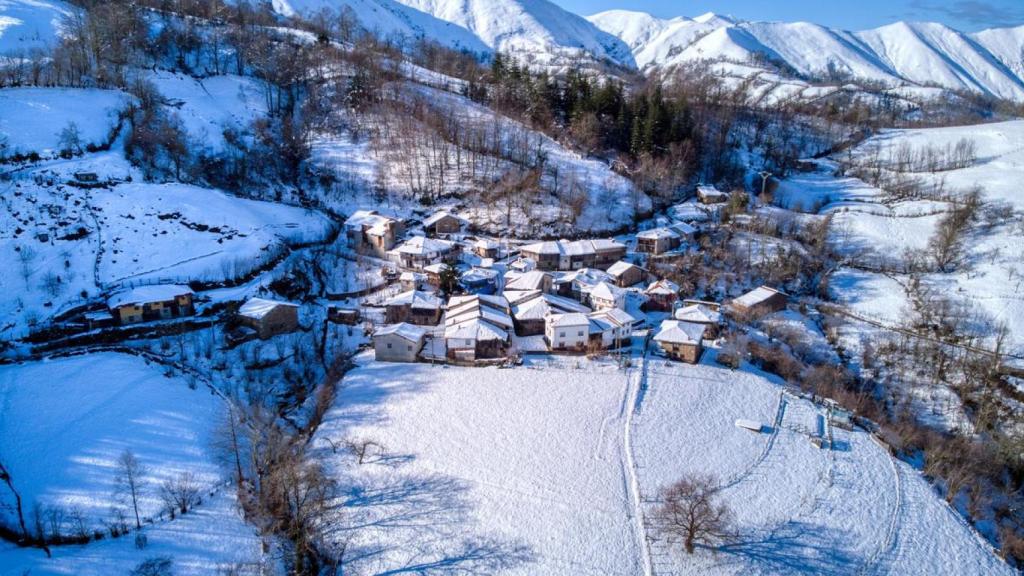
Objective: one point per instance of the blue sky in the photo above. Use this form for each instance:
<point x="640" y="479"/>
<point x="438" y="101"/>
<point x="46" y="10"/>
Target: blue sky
<point x="967" y="15"/>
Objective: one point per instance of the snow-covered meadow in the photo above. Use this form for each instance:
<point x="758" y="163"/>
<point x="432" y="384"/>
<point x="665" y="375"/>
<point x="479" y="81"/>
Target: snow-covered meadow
<point x="32" y="119"/>
<point x="551" y="468"/>
<point x="65" y="423"/>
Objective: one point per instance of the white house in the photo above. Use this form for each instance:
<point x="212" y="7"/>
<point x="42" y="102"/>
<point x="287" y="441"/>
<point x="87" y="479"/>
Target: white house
<point x="567" y="331"/>
<point x="612" y="327"/>
<point x="606" y="295"/>
<point x="398" y="342"/>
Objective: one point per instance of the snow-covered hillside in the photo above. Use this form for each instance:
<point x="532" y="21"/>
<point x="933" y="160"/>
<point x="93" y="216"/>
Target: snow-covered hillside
<point x="537" y="31"/>
<point x="390" y="18"/>
<point x="66" y="422"/>
<point x="550" y="468"/>
<point x="26" y="25"/>
<point x="32" y="119"/>
<point x="988" y="62"/>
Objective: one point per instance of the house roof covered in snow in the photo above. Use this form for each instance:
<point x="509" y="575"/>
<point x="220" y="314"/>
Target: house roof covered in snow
<point x="479" y="275"/>
<point x="573" y="248"/>
<point x="370" y="219"/>
<point x="423" y="246"/>
<point x="257" y="308"/>
<point x="436" y="268"/>
<point x="699" y="314"/>
<point x="616" y="316"/>
<point x="663" y="287"/>
<point x="757" y="296"/>
<point x="532" y="280"/>
<point x="657" y="234"/>
<point x="706" y="191"/>
<point x="583" y="277"/>
<point x="606" y="291"/>
<point x="621" y="267"/>
<point x="441" y="215"/>
<point x="676" y="332"/>
<point x="416" y="299"/>
<point x="475" y="329"/>
<point x="466" y="308"/>
<point x="403" y="330"/>
<point x="146" y="294"/>
<point x="567" y="320"/>
<point x="541" y="305"/>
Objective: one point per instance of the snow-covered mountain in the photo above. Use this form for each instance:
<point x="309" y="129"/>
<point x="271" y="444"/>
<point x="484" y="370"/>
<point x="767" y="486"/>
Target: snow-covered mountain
<point x="989" y="62"/>
<point x="390" y="18"/>
<point x="537" y="30"/>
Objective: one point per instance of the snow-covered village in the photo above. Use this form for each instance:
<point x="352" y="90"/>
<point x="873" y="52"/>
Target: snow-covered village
<point x="524" y="287"/>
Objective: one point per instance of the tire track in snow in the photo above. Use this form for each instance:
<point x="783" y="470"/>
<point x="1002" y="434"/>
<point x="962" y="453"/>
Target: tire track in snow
<point x="887" y="552"/>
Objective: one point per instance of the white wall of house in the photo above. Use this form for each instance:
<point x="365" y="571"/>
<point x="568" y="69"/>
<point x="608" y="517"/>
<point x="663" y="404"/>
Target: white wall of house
<point x="565" y="337"/>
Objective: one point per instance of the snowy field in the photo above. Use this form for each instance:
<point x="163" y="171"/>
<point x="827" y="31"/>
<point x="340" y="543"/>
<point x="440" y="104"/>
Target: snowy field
<point x="178" y="232"/>
<point x="66" y="422"/>
<point x="207" y="107"/>
<point x="32" y="119"/>
<point x="209" y="541"/>
<point x="799" y="509"/>
<point x="29" y="24"/>
<point x="538" y="463"/>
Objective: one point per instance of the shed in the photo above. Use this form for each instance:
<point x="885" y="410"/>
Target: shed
<point x="760" y="301"/>
<point x="269" y="317"/>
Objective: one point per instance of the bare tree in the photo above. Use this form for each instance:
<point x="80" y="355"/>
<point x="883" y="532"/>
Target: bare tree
<point x="690" y="515"/>
<point x="130" y="481"/>
<point x="181" y="493"/>
<point x="363" y="449"/>
<point x="5" y="476"/>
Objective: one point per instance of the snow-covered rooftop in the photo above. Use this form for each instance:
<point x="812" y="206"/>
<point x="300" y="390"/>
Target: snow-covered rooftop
<point x="532" y="280"/>
<point x="440" y="215"/>
<point x="676" y="332"/>
<point x="621" y="267"/>
<point x="147" y="294"/>
<point x="606" y="291"/>
<point x="698" y="313"/>
<point x="542" y="305"/>
<point x="663" y="287"/>
<point x="657" y="234"/>
<point x="416" y="299"/>
<point x="757" y="296"/>
<point x="404" y="330"/>
<point x="423" y="246"/>
<point x="475" y="329"/>
<point x="257" y="308"/>
<point x="566" y="320"/>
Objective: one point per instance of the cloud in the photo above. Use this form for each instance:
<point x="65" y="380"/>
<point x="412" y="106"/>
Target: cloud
<point x="973" y="12"/>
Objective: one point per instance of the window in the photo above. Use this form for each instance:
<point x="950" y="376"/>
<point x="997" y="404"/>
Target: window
<point x="389" y="345"/>
<point x="561" y="334"/>
<point x="580" y="333"/>
<point x="409" y="348"/>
